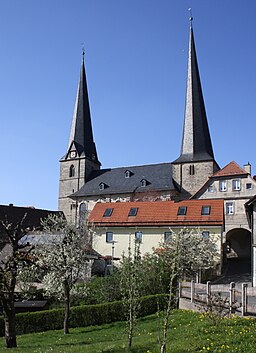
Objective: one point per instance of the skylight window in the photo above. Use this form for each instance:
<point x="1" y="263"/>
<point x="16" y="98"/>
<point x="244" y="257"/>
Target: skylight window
<point x="108" y="212"/>
<point x="182" y="211"/>
<point x="206" y="210"/>
<point x="133" y="211"/>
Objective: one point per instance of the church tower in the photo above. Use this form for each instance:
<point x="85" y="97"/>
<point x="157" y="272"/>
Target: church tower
<point x="196" y="162"/>
<point x="81" y="157"/>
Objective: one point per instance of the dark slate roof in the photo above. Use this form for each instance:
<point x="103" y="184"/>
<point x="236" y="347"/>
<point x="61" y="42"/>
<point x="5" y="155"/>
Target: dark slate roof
<point x="14" y="214"/>
<point x="81" y="134"/>
<point x="158" y="177"/>
<point x="196" y="142"/>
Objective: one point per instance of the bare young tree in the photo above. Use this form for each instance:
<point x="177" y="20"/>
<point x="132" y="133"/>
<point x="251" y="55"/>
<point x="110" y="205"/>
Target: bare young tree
<point x="63" y="259"/>
<point x="186" y="253"/>
<point x="15" y="257"/>
<point x="130" y="279"/>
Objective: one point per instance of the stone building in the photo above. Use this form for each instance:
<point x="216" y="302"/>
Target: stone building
<point x="194" y="174"/>
<point x="83" y="183"/>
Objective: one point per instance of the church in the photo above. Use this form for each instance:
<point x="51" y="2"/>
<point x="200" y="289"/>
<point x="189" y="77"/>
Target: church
<point x="85" y="188"/>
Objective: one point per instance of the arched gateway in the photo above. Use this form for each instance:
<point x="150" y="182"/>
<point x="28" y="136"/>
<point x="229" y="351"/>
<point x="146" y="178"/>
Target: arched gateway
<point x="238" y="244"/>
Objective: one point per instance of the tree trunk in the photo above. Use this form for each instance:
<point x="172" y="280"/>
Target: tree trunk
<point x="66" y="306"/>
<point x="9" y="321"/>
<point x="167" y="314"/>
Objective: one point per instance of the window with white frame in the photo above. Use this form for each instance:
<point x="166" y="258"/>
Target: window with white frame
<point x="138" y="237"/>
<point x="109" y="237"/>
<point x="210" y="188"/>
<point x="223" y="185"/>
<point x="230" y="209"/>
<point x="236" y="184"/>
<point x="205" y="234"/>
<point x="167" y="236"/>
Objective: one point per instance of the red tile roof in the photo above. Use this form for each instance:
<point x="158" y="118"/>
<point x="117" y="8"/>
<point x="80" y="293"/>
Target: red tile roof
<point x="158" y="213"/>
<point x="231" y="168"/>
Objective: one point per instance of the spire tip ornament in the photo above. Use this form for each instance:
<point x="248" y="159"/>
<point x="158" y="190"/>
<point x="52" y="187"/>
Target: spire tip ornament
<point x="191" y="17"/>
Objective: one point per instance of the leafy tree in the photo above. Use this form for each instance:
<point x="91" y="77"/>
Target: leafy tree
<point x="63" y="260"/>
<point x="15" y="257"/>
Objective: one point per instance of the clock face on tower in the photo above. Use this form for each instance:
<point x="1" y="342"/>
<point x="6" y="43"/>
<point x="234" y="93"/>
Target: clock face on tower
<point x="73" y="154"/>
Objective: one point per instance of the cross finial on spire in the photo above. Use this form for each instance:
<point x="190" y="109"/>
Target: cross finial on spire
<point x="83" y="51"/>
<point x="191" y="17"/>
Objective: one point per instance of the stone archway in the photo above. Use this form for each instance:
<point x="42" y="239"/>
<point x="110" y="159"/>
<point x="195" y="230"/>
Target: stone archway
<point x="237" y="256"/>
<point x="238" y="244"/>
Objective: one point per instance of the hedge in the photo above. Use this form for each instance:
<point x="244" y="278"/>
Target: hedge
<point x="84" y="315"/>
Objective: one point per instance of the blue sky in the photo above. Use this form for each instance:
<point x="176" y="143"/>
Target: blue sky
<point x="136" y="63"/>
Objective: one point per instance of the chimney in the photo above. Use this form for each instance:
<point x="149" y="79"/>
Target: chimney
<point x="248" y="168"/>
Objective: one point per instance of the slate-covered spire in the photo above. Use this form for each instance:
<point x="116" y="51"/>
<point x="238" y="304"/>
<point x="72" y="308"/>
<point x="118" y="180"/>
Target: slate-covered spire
<point x="196" y="142"/>
<point x="81" y="135"/>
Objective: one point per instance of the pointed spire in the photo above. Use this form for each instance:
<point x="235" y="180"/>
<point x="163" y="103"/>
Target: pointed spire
<point x="81" y="134"/>
<point x="196" y="142"/>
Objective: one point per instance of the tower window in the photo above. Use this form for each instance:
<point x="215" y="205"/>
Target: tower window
<point x="206" y="210"/>
<point x="182" y="211"/>
<point x="133" y="211"/>
<point x="108" y="212"/>
<point x="191" y="169"/>
<point x="71" y="171"/>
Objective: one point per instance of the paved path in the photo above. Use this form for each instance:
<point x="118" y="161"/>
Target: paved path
<point x="237" y="270"/>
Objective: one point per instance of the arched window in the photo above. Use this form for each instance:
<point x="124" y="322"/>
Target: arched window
<point x="83" y="213"/>
<point x="71" y="171"/>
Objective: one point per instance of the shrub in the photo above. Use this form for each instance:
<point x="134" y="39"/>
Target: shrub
<point x="83" y="315"/>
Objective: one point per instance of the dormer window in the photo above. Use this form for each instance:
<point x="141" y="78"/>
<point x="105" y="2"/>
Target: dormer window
<point x="71" y="171"/>
<point x="102" y="186"/>
<point x="127" y="174"/>
<point x="143" y="183"/>
<point x="133" y="211"/>
<point x="182" y="211"/>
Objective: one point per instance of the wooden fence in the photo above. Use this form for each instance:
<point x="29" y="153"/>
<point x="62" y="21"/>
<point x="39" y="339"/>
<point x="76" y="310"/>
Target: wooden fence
<point x="240" y="297"/>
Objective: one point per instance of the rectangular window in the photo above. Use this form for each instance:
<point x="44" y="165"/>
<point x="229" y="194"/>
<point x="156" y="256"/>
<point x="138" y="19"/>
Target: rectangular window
<point x="248" y="186"/>
<point x="205" y="234"/>
<point x="182" y="211"/>
<point x="210" y="188"/>
<point x="167" y="236"/>
<point x="206" y="210"/>
<point x="138" y="237"/>
<point x="230" y="208"/>
<point x="133" y="211"/>
<point x="223" y="185"/>
<point x="108" y="212"/>
<point x="236" y="183"/>
<point x="191" y="169"/>
<point x="109" y="237"/>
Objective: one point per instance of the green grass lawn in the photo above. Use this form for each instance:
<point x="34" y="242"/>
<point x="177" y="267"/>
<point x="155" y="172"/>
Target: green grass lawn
<point x="189" y="332"/>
